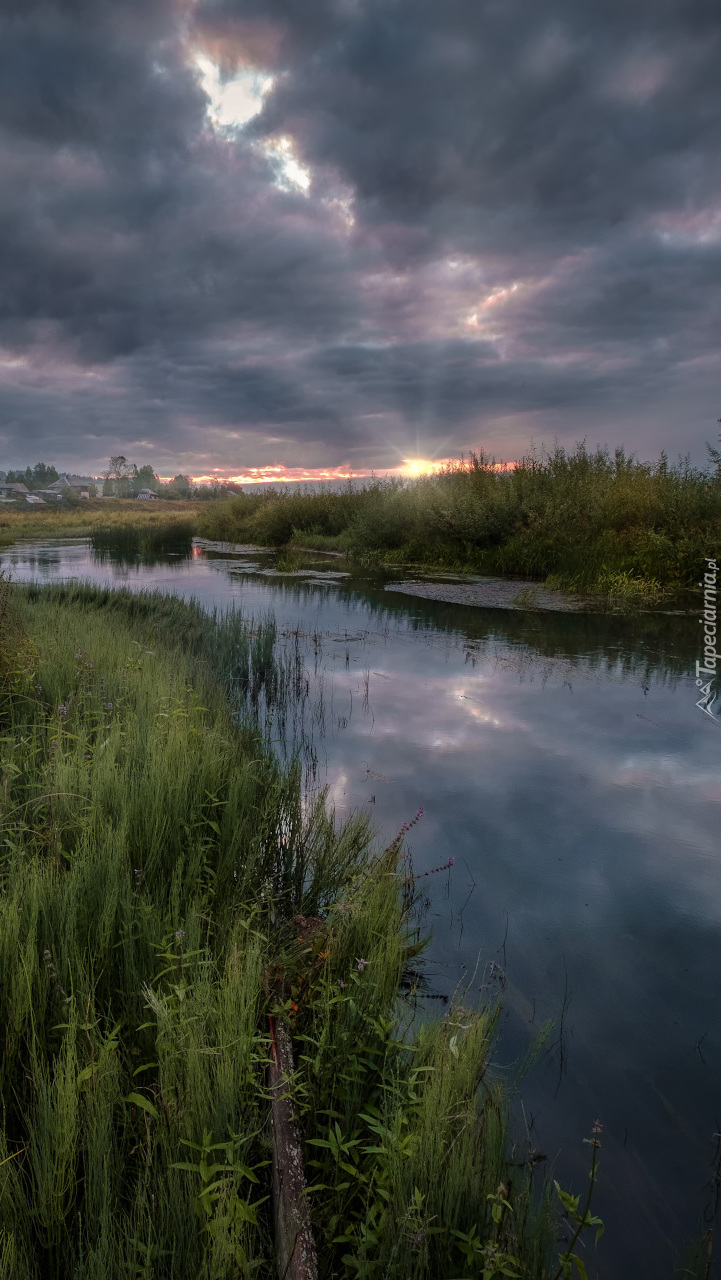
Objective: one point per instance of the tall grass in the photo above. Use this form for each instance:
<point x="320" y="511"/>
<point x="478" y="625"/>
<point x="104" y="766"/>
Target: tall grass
<point x="163" y="887"/>
<point x="583" y="520"/>
<point x="275" y="517"/>
<point x="144" y="542"/>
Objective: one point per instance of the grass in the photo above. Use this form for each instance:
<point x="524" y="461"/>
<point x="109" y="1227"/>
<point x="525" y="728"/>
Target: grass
<point x="581" y="521"/>
<point x="143" y="541"/>
<point x="164" y="885"/>
<point x="84" y="517"/>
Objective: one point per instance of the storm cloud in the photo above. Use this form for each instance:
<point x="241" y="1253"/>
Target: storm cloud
<point x="346" y="232"/>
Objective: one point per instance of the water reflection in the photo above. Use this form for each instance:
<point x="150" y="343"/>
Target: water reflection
<point x="562" y="763"/>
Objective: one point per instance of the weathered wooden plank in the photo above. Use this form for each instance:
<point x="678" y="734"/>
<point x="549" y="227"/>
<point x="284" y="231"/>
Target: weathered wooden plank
<point x="295" y="1246"/>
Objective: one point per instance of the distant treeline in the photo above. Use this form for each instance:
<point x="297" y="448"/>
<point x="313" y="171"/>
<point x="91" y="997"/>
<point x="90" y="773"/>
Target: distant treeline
<point x="593" y="521"/>
<point x="122" y="479"/>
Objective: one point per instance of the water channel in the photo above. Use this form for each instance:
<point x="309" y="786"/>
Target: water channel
<point x="561" y="761"/>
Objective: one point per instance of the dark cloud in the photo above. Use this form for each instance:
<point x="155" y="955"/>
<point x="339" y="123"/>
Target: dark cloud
<point x="510" y="224"/>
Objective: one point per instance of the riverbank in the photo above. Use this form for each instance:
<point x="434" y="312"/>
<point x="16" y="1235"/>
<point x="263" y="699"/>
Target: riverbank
<point x="165" y="888"/>
<point x="579" y="522"/>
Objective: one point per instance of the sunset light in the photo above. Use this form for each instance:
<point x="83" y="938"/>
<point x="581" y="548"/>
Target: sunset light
<point x="279" y="475"/>
<point x="413" y="467"/>
<point x="409" y="469"/>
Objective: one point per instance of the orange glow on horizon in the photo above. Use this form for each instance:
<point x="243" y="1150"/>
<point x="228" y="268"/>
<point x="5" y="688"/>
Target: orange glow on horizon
<point x="409" y="468"/>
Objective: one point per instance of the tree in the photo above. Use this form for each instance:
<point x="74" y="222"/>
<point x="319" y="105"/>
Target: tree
<point x="37" y="477"/>
<point x="145" y="479"/>
<point x="118" y="476"/>
<point x="44" y="474"/>
<point x="182" y="485"/>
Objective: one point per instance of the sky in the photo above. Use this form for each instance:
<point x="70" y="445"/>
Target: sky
<point x="258" y="238"/>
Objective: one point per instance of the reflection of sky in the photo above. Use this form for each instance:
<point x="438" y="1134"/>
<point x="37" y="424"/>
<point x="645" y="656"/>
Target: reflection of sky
<point x="579" y="797"/>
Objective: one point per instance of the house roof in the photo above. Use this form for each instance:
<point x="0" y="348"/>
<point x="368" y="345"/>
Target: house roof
<point x="68" y="482"/>
<point x="14" y="488"/>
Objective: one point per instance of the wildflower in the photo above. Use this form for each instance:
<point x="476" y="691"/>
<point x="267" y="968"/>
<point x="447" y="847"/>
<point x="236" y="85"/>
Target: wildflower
<point x="62" y="709"/>
<point x="341" y="983"/>
<point x="79" y="654"/>
<point x="450" y="862"/>
<point x="38" y="689"/>
<point x="361" y="965"/>
<point x="108" y="706"/>
<point x="180" y="933"/>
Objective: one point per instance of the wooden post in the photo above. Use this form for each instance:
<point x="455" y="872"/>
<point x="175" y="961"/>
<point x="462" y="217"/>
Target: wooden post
<point x="295" y="1246"/>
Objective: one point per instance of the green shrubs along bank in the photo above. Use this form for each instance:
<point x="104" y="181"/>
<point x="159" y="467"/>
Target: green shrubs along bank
<point x="164" y="886"/>
<point x="579" y="520"/>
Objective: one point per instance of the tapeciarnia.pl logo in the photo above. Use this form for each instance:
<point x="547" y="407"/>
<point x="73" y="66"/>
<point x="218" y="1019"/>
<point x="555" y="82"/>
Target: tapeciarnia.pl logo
<point x="710" y="656"/>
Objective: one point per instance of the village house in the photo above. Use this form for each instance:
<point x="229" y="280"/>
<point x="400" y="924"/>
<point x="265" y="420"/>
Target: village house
<point x="12" y="492"/>
<point x="79" y="486"/>
<point x="147" y="495"/>
<point x="19" y="493"/>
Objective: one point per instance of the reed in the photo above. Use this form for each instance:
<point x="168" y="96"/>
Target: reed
<point x="143" y="541"/>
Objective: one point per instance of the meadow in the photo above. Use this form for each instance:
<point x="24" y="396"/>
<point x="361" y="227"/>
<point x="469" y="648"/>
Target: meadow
<point x="578" y="520"/>
<point x="82" y="517"/>
<point x="166" y="886"/>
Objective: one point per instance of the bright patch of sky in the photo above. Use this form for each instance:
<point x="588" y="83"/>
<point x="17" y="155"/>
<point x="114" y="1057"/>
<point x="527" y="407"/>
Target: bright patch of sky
<point x="290" y="173"/>
<point x="232" y="102"/>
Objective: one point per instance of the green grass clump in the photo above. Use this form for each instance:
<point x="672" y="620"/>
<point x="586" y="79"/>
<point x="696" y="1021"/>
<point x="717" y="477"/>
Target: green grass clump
<point x="143" y="541"/>
<point x="278" y="517"/>
<point x="164" y="886"/>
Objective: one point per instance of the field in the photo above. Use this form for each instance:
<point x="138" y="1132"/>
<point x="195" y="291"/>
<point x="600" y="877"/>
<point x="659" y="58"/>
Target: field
<point x="165" y="888"/>
<point x="79" y="520"/>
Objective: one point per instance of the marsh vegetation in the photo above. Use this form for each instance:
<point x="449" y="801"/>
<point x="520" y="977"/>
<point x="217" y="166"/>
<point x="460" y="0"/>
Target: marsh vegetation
<point x="579" y="520"/>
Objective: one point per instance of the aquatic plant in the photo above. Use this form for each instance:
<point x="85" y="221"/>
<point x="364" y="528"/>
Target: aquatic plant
<point x="145" y="542"/>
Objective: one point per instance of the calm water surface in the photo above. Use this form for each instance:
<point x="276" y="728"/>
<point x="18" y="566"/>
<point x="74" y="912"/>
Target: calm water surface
<point x="561" y="761"/>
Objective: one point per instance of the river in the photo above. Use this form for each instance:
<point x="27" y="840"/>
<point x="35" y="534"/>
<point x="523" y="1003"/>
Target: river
<point x="562" y="763"/>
